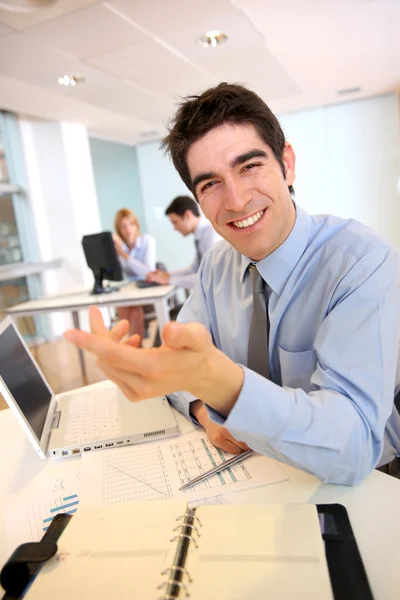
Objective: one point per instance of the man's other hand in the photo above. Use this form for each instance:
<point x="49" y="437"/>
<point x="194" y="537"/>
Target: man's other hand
<point x="218" y="435"/>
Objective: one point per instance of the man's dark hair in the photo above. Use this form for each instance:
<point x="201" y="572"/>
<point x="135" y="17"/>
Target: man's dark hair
<point x="225" y="103"/>
<point x="181" y="204"/>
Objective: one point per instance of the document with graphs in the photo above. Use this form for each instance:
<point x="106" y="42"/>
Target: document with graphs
<point x="157" y="470"/>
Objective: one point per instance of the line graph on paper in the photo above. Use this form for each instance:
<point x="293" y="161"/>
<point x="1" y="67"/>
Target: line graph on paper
<point x="138" y="476"/>
<point x="157" y="471"/>
<point x="195" y="457"/>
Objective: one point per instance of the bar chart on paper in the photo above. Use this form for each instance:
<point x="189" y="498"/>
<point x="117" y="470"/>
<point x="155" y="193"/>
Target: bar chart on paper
<point x="195" y="457"/>
<point x="28" y="522"/>
<point x="156" y="471"/>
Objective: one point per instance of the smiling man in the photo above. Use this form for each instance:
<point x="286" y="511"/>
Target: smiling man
<point x="289" y="343"/>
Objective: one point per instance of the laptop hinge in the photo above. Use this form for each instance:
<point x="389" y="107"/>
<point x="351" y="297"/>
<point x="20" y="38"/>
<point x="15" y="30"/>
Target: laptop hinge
<point x="56" y="419"/>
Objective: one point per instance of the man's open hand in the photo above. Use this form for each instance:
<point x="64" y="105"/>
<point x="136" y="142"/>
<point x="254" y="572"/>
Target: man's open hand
<point x="187" y="360"/>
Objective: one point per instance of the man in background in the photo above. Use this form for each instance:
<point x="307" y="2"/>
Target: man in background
<point x="184" y="214"/>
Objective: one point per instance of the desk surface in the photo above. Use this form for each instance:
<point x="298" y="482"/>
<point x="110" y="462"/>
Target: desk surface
<point x="373" y="506"/>
<point x="127" y="294"/>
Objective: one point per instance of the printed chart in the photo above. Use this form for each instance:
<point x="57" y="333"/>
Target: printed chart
<point x="195" y="457"/>
<point x="28" y="523"/>
<point x="139" y="477"/>
<point x="157" y="470"/>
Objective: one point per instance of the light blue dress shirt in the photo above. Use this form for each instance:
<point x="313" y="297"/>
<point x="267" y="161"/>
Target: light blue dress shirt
<point x="205" y="236"/>
<point x="334" y="314"/>
<point x="142" y="257"/>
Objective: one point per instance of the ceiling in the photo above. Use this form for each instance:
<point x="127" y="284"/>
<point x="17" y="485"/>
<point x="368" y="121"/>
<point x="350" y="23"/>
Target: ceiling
<point x="139" y="56"/>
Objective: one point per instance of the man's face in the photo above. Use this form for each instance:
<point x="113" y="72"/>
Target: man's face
<point x="241" y="188"/>
<point x="181" y="223"/>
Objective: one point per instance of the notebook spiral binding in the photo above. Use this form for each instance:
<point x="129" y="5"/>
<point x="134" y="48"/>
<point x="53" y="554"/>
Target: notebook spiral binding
<point x="177" y="571"/>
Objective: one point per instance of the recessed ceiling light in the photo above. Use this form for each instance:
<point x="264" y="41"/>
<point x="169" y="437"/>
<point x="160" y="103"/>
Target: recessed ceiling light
<point x="24" y="6"/>
<point x="212" y="38"/>
<point x="70" y="80"/>
<point x="351" y="90"/>
<point x="149" y="133"/>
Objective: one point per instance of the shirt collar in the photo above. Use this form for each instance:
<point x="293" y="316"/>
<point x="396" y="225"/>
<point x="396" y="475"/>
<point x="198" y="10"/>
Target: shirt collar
<point x="276" y="268"/>
<point x="137" y="245"/>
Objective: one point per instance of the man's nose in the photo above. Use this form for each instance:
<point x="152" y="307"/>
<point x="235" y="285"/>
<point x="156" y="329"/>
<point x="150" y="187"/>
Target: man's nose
<point x="237" y="195"/>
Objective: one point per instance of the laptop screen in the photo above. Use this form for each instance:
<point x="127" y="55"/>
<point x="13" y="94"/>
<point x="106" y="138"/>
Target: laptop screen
<point x="23" y="380"/>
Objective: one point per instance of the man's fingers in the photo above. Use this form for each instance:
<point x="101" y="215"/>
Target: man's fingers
<point x="133" y="386"/>
<point x="242" y="445"/>
<point x="84" y="340"/>
<point x="96" y="322"/>
<point x="192" y="336"/>
<point x="228" y="446"/>
<point x="133" y="341"/>
<point x="124" y="357"/>
<point x="119" y="330"/>
<point x="114" y="376"/>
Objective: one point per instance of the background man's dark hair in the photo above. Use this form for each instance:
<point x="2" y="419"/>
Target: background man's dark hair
<point x="225" y="103"/>
<point x="181" y="204"/>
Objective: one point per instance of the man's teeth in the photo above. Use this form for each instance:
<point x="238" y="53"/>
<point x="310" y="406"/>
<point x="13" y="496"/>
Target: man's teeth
<point x="249" y="221"/>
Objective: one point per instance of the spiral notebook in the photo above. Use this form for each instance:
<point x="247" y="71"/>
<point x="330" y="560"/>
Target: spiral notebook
<point x="166" y="550"/>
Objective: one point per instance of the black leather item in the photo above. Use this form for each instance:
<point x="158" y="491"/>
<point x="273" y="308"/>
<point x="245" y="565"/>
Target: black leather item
<point x="23" y="563"/>
<point x="26" y="561"/>
<point x="346" y="570"/>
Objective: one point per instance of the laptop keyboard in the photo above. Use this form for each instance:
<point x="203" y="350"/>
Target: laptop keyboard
<point x="92" y="416"/>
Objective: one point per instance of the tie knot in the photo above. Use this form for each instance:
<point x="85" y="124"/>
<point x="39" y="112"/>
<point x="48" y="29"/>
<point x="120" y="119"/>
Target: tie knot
<point x="257" y="280"/>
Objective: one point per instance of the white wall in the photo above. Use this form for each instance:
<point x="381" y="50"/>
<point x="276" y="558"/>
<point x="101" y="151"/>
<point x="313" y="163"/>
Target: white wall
<point x="348" y="161"/>
<point x="160" y="184"/>
<point x="64" y="204"/>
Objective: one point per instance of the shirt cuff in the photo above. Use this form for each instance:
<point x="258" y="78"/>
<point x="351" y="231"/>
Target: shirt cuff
<point x="181" y="402"/>
<point x="262" y="407"/>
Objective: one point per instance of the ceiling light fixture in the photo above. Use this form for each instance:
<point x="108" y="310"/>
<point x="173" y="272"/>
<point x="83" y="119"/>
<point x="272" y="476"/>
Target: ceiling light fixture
<point x="25" y="6"/>
<point x="351" y="90"/>
<point x="70" y="80"/>
<point x="150" y="133"/>
<point x="212" y="38"/>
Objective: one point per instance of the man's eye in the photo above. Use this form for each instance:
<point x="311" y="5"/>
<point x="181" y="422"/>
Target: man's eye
<point x="250" y="166"/>
<point x="207" y="185"/>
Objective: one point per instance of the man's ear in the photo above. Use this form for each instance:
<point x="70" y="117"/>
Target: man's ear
<point x="289" y="160"/>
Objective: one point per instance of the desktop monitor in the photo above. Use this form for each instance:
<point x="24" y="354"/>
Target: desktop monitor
<point x="102" y="258"/>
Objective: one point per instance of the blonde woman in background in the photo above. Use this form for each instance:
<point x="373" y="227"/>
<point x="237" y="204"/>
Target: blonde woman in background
<point x="137" y="256"/>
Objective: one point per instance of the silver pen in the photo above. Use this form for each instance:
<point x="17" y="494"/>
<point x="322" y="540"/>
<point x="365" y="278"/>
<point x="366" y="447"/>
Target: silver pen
<point x="225" y="465"/>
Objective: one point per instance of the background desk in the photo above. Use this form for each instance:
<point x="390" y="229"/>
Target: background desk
<point x="373" y="506"/>
<point x="127" y="295"/>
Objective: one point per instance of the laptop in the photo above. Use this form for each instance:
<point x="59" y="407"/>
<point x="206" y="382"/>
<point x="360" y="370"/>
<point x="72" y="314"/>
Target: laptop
<point x="83" y="420"/>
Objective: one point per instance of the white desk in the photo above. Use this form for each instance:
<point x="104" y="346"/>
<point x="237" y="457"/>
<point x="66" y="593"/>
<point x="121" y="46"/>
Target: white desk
<point x="373" y="506"/>
<point x="127" y="295"/>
